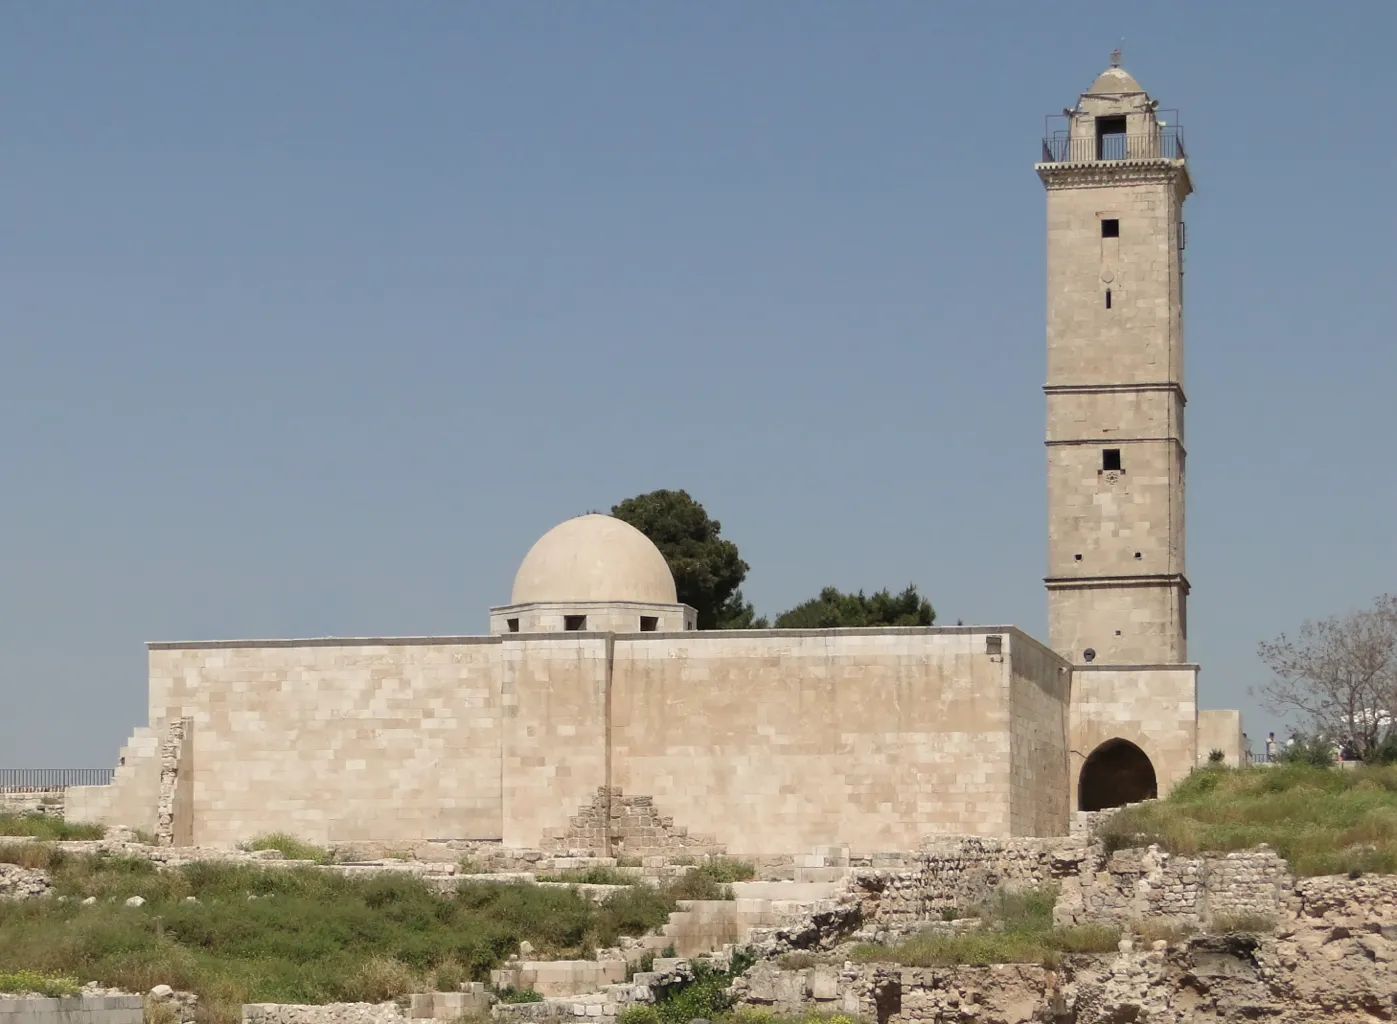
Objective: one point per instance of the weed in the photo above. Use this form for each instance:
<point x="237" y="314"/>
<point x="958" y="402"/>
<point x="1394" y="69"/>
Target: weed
<point x="43" y="826"/>
<point x="627" y="862"/>
<point x="449" y="976"/>
<point x="639" y="1013"/>
<point x="19" y="982"/>
<point x="724" y="870"/>
<point x="290" y="847"/>
<point x="39" y="856"/>
<point x="1152" y="930"/>
<point x="518" y="995"/>
<point x="600" y="875"/>
<point x="159" y="1011"/>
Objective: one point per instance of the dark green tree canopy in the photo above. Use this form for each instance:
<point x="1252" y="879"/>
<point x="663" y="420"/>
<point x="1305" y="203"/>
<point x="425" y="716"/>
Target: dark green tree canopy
<point x="708" y="571"/>
<point x="834" y="608"/>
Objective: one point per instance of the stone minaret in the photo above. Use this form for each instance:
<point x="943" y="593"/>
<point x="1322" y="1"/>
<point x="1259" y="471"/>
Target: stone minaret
<point x="1116" y="180"/>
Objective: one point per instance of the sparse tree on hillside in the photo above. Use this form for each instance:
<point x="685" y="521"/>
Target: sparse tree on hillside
<point x="1339" y="673"/>
<point x="708" y="571"/>
<point x="834" y="608"/>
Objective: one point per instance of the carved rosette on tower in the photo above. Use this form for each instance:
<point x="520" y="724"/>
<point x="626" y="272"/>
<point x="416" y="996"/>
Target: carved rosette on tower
<point x="1116" y="177"/>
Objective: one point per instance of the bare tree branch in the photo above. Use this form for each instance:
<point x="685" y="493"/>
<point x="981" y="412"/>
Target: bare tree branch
<point x="1340" y="674"/>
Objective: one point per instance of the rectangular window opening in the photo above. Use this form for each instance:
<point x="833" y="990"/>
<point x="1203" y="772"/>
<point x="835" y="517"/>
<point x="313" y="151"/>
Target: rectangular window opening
<point x="1111" y="459"/>
<point x="649" y="623"/>
<point x="512" y="624"/>
<point x="1110" y="138"/>
<point x="1110" y="228"/>
<point x="994" y="645"/>
<point x="1108" y="298"/>
<point x="574" y="623"/>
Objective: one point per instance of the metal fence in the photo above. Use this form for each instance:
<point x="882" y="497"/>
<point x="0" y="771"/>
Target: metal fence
<point x="25" y="780"/>
<point x="1165" y="144"/>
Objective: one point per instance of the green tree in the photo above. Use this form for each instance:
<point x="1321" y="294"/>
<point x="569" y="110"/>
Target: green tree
<point x="834" y="608"/>
<point x="708" y="571"/>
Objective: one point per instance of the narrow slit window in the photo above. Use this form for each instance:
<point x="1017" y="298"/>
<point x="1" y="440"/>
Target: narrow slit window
<point x="574" y="623"/>
<point x="513" y="625"/>
<point x="1110" y="228"/>
<point x="1108" y="298"/>
<point x="649" y="623"/>
<point x="1111" y="459"/>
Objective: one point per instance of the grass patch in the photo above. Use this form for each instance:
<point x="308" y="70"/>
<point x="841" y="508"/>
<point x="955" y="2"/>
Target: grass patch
<point x="1018" y="929"/>
<point x="52" y="985"/>
<point x="711" y="880"/>
<point x="311" y="936"/>
<point x="600" y="875"/>
<point x="42" y="826"/>
<point x="39" y="856"/>
<point x="1324" y="821"/>
<point x="290" y="847"/>
<point x="518" y="995"/>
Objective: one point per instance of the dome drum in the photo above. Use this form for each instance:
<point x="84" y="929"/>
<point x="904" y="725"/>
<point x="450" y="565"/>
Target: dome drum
<point x="594" y="573"/>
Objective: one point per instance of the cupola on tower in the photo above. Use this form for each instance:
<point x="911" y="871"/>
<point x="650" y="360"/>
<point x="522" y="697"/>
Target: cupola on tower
<point x="1116" y="179"/>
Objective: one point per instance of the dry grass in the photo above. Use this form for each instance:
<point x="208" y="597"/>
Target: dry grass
<point x="43" y="826"/>
<point x="1324" y="821"/>
<point x="1252" y="923"/>
<point x="38" y="856"/>
<point x="1018" y="929"/>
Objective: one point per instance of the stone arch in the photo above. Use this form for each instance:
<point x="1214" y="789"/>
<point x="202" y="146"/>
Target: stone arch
<point x="1115" y="773"/>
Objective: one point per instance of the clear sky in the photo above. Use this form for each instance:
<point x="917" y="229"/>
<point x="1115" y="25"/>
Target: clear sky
<point x="313" y="316"/>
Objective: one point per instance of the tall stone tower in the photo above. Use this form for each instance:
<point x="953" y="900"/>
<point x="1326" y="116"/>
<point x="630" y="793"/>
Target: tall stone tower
<point x="1116" y="180"/>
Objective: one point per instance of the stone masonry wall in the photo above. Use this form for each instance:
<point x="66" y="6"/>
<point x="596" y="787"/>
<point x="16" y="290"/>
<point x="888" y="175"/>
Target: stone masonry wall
<point x="617" y="825"/>
<point x="86" y="1009"/>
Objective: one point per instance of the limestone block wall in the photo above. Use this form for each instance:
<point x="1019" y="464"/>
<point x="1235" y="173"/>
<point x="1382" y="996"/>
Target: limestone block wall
<point x="66" y="1010"/>
<point x="1152" y="706"/>
<point x="780" y="741"/>
<point x="131" y="798"/>
<point x="336" y="740"/>
<point x="1039" y="693"/>
<point x="556" y="697"/>
<point x="1220" y="730"/>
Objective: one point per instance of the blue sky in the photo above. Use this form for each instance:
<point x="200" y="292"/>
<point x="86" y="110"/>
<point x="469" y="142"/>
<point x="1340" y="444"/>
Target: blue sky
<point x="314" y="316"/>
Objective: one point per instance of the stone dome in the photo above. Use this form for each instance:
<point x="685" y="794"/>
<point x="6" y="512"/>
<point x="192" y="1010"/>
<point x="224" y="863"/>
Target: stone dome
<point x="1114" y="80"/>
<point x="594" y="559"/>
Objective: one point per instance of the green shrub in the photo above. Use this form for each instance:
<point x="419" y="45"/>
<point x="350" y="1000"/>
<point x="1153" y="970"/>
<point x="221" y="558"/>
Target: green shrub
<point x="1216" y="756"/>
<point x="724" y="870"/>
<point x="290" y="847"/>
<point x="52" y="985"/>
<point x="1315" y="751"/>
<point x="518" y="995"/>
<point x="704" y="996"/>
<point x="598" y="875"/>
<point x="1253" y="923"/>
<point x="43" y="826"/>
<point x="639" y="1013"/>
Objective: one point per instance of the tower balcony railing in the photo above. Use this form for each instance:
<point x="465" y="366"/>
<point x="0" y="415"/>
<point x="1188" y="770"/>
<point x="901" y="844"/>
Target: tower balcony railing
<point x="1165" y="144"/>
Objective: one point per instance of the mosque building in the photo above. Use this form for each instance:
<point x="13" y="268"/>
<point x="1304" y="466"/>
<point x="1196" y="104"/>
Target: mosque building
<point x="594" y="699"/>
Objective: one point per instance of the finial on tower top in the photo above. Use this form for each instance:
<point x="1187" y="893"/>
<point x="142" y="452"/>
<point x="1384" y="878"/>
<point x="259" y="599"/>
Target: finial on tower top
<point x="1116" y="57"/>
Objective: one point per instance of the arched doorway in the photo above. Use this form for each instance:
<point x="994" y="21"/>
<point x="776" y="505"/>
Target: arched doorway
<point x="1117" y="772"/>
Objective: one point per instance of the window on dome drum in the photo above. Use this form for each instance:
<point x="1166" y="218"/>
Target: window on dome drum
<point x="513" y="625"/>
<point x="649" y="623"/>
<point x="1111" y="459"/>
<point x="574" y="623"/>
<point x="1110" y="228"/>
